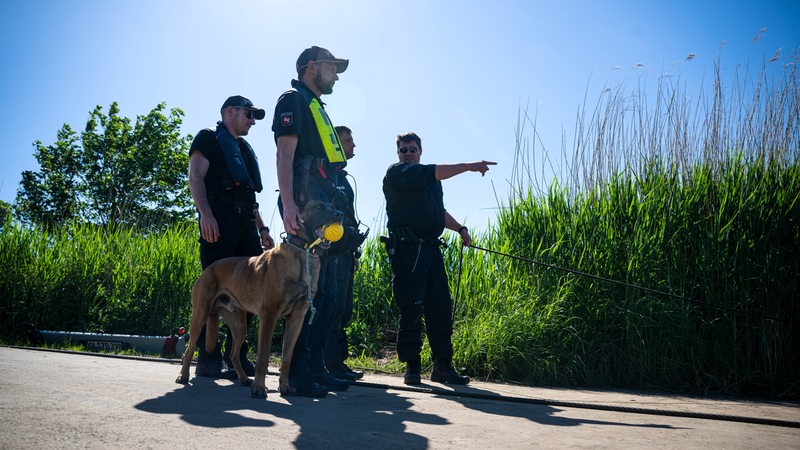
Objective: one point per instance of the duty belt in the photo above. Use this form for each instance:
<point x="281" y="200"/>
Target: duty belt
<point x="406" y="235"/>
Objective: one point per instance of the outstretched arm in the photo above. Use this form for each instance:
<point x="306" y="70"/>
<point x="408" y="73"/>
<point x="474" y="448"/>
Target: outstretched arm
<point x="445" y="171"/>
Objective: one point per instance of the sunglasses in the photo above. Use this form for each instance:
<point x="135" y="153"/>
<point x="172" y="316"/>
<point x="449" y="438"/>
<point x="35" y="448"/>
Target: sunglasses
<point x="405" y="150"/>
<point x="249" y="114"/>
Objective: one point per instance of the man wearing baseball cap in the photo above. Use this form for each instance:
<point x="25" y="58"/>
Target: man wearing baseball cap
<point x="315" y="54"/>
<point x="224" y="178"/>
<point x="308" y="161"/>
<point x="237" y="101"/>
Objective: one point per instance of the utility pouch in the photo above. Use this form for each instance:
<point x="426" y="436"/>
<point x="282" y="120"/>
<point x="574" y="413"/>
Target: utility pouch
<point x="246" y="213"/>
<point x="390" y="243"/>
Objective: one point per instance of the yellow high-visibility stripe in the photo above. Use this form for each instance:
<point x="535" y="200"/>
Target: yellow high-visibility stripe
<point x="330" y="139"/>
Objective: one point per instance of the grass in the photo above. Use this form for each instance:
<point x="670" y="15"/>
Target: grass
<point x="84" y="278"/>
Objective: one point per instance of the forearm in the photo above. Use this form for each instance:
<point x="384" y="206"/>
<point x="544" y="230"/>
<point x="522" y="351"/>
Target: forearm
<point x="263" y="232"/>
<point x="200" y="197"/>
<point x="450" y="222"/>
<point x="259" y="221"/>
<point x="445" y="171"/>
<point x="198" y="168"/>
<point x="197" y="186"/>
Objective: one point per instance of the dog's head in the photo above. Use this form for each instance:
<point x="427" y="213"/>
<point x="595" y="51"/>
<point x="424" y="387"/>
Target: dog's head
<point x="317" y="216"/>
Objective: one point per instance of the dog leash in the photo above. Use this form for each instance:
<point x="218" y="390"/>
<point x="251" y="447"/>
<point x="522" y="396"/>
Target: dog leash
<point x="308" y="282"/>
<point x="633" y="286"/>
<point x="307" y="248"/>
<point x="331" y="233"/>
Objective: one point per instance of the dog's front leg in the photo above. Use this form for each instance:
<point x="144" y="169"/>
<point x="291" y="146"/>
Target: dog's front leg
<point x="292" y="327"/>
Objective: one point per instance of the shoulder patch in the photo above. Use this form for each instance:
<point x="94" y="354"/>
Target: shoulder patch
<point x="287" y="119"/>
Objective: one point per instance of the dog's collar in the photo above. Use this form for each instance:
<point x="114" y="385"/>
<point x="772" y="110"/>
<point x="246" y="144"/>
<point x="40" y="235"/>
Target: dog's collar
<point x="302" y="244"/>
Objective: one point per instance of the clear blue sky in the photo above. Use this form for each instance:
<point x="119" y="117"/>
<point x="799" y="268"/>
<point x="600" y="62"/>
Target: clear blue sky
<point x="456" y="72"/>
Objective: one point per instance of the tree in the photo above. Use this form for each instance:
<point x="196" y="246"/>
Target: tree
<point x="5" y="212"/>
<point x="50" y="197"/>
<point x="115" y="173"/>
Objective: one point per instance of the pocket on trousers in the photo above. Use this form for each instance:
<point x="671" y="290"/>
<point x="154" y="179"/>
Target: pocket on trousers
<point x="405" y="258"/>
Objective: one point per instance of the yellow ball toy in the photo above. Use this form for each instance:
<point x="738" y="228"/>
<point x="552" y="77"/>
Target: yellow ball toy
<point x="333" y="232"/>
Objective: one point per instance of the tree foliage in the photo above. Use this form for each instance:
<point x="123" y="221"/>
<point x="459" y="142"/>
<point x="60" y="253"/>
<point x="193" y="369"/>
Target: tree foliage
<point x="5" y="212"/>
<point x="113" y="173"/>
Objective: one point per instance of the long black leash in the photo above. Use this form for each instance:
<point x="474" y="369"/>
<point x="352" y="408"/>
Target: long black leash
<point x="621" y="283"/>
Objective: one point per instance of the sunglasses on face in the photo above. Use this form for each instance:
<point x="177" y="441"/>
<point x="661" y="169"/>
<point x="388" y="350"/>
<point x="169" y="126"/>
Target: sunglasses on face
<point x="405" y="150"/>
<point x="249" y="114"/>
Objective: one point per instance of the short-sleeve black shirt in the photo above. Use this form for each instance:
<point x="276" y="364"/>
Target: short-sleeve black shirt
<point x="206" y="143"/>
<point x="293" y="117"/>
<point x="414" y="199"/>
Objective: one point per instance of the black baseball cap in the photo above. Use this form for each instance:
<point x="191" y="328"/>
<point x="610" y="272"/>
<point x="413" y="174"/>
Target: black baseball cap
<point x="241" y="102"/>
<point x="320" y="54"/>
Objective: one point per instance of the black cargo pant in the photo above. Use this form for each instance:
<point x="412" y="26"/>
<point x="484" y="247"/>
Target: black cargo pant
<point x="336" y="351"/>
<point x="420" y="287"/>
<point x="308" y="358"/>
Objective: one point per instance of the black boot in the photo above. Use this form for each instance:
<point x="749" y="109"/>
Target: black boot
<point x="344" y="372"/>
<point x="443" y="372"/>
<point x="413" y="370"/>
<point x="359" y="374"/>
<point x="304" y="387"/>
<point x="209" y="364"/>
<point x="332" y="383"/>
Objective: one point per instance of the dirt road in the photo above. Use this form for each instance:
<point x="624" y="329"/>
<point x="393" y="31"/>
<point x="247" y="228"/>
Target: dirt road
<point x="59" y="400"/>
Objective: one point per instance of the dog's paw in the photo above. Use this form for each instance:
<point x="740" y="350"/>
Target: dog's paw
<point x="258" y="392"/>
<point x="182" y="379"/>
<point x="246" y="382"/>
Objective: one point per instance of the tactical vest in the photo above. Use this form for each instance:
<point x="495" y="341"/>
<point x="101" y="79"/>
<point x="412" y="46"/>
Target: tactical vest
<point x="244" y="169"/>
<point x="327" y="133"/>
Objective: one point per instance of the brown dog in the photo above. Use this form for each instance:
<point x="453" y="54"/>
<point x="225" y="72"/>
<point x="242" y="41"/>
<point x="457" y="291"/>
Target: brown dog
<point x="278" y="283"/>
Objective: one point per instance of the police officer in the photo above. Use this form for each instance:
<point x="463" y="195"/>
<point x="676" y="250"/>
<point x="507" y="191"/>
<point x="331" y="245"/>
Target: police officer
<point x="416" y="218"/>
<point x="224" y="178"/>
<point x="347" y="252"/>
<point x="308" y="160"/>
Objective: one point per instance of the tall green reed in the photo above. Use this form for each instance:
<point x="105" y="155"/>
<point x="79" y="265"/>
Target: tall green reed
<point x="695" y="198"/>
<point x="374" y="314"/>
<point x="699" y="205"/>
<point x="85" y="278"/>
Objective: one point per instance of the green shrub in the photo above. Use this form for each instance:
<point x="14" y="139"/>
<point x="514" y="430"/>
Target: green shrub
<point x="85" y="278"/>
